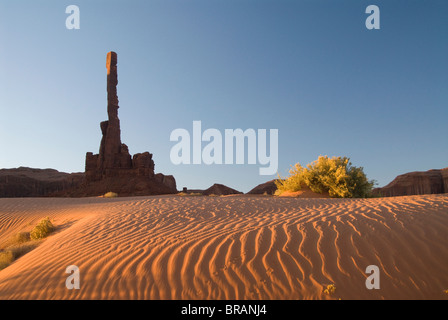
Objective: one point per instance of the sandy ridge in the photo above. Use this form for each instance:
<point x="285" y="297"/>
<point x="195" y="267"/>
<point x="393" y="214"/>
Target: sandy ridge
<point x="233" y="247"/>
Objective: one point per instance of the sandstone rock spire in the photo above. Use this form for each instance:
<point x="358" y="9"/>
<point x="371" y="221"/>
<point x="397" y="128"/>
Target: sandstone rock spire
<point x="113" y="169"/>
<point x="111" y="153"/>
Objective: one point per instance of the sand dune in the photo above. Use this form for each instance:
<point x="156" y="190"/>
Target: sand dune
<point x="231" y="247"/>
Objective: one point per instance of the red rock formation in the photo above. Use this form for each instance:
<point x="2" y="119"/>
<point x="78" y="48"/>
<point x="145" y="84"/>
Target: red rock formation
<point x="414" y="183"/>
<point x="113" y="169"/>
<point x="114" y="163"/>
<point x="444" y="173"/>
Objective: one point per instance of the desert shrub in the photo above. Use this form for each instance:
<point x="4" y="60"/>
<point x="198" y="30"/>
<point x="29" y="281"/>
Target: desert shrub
<point x="21" y="237"/>
<point x="334" y="175"/>
<point x="6" y="258"/>
<point x="23" y="242"/>
<point x="42" y="229"/>
<point x="330" y="289"/>
<point x="293" y="183"/>
<point x="13" y="252"/>
<point x="110" y="195"/>
<point x="18" y="238"/>
<point x="19" y="250"/>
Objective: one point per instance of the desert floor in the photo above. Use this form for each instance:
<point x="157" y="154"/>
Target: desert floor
<point x="230" y="247"/>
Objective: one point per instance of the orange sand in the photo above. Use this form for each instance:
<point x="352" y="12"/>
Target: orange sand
<point x="232" y="247"/>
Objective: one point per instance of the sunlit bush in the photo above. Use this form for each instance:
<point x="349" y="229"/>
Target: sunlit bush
<point x="334" y="175"/>
<point x="42" y="229"/>
<point x="110" y="195"/>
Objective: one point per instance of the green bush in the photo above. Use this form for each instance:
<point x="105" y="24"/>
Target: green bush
<point x="42" y="229"/>
<point x="334" y="175"/>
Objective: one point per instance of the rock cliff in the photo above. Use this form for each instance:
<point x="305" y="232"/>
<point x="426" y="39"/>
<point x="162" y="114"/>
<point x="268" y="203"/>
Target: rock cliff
<point x="418" y="182"/>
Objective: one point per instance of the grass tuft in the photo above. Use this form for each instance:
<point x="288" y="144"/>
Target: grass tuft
<point x="331" y="288"/>
<point x="23" y="242"/>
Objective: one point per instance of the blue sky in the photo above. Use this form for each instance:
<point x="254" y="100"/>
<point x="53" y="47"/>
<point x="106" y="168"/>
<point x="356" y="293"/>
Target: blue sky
<point x="310" y="69"/>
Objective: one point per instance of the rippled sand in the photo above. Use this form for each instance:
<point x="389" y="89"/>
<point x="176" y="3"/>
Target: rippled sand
<point x="232" y="247"/>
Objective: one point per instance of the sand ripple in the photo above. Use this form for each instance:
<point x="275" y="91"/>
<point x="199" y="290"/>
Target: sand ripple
<point x="233" y="247"/>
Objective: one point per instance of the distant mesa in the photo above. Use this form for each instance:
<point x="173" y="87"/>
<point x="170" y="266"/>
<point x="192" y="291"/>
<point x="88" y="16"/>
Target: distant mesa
<point x="30" y="182"/>
<point x="416" y="183"/>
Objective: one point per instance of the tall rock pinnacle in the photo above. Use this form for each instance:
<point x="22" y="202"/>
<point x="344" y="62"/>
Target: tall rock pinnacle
<point x="113" y="169"/>
<point x="111" y="144"/>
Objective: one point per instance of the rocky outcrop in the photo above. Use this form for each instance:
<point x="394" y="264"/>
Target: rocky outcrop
<point x="264" y="188"/>
<point x="220" y="190"/>
<point x="114" y="159"/>
<point x="415" y="183"/>
<point x="444" y="173"/>
<point x="30" y="182"/>
<point x="216" y="190"/>
<point x="114" y="169"/>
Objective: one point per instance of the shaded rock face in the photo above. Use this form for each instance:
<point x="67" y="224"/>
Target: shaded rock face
<point x="267" y="187"/>
<point x="114" y="163"/>
<point x="30" y="182"/>
<point x="415" y="183"/>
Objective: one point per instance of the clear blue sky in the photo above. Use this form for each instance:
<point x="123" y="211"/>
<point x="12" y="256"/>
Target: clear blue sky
<point x="310" y="69"/>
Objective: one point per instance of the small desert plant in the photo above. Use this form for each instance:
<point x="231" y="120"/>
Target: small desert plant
<point x="21" y="249"/>
<point x="21" y="237"/>
<point x="330" y="289"/>
<point x="42" y="229"/>
<point x="23" y="242"/>
<point x="110" y="195"/>
<point x="18" y="238"/>
<point x="6" y="258"/>
<point x="294" y="182"/>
